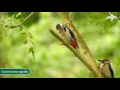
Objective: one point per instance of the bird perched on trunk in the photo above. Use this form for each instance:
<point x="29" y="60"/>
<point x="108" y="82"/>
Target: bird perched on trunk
<point x="67" y="35"/>
<point x="106" y="68"/>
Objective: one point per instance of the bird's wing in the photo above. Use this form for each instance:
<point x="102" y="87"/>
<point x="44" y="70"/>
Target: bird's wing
<point x="72" y="34"/>
<point x="111" y="70"/>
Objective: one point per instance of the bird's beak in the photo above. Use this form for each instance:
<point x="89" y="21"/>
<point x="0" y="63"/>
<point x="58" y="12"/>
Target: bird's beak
<point x="100" y="60"/>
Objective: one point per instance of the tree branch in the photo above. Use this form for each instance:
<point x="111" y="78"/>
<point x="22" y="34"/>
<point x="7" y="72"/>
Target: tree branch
<point x="89" y="60"/>
<point x="23" y="21"/>
<point x="75" y="52"/>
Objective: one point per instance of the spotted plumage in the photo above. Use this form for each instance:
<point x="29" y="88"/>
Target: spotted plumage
<point x="106" y="68"/>
<point x="67" y="35"/>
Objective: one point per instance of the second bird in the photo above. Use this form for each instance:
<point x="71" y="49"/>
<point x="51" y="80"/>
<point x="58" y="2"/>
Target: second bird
<point x="106" y="68"/>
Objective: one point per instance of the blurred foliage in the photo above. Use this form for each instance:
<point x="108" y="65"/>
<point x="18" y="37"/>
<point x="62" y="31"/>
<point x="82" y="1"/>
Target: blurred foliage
<point x="102" y="36"/>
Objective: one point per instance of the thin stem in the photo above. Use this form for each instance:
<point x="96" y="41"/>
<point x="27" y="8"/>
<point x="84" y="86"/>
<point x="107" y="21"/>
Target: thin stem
<point x="27" y="17"/>
<point x="23" y="21"/>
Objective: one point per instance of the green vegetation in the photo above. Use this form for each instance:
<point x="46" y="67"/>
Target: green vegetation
<point x="31" y="45"/>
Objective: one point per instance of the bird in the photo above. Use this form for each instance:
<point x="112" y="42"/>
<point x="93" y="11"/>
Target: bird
<point x="106" y="69"/>
<point x="67" y="35"/>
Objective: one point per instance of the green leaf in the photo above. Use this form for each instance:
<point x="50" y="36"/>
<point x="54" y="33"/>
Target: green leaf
<point x="70" y="13"/>
<point x="17" y="15"/>
<point x="23" y="37"/>
<point x="32" y="51"/>
<point x="25" y="42"/>
<point x="20" y="28"/>
<point x="13" y="16"/>
<point x="108" y="24"/>
<point x="24" y="33"/>
<point x="30" y="35"/>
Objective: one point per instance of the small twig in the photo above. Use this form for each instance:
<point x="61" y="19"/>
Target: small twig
<point x="27" y="17"/>
<point x="23" y="21"/>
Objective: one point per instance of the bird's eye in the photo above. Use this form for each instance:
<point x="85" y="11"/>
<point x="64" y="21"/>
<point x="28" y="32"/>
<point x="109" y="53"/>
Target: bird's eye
<point x="107" y="61"/>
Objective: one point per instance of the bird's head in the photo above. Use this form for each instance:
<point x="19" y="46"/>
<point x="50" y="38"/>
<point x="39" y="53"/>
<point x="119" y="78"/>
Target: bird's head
<point x="104" y="61"/>
<point x="60" y="27"/>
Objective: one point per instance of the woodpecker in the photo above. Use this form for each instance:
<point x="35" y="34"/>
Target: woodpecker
<point x="67" y="35"/>
<point x="106" y="68"/>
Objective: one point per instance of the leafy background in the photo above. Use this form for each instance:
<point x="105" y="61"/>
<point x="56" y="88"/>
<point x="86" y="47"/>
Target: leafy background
<point x="19" y="46"/>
